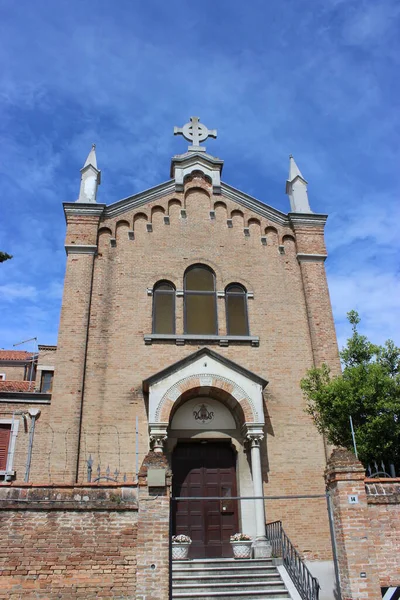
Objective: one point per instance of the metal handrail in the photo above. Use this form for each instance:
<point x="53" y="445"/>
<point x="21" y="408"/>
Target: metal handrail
<point x="307" y="585"/>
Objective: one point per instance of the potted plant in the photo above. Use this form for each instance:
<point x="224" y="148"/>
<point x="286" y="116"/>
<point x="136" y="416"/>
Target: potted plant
<point x="241" y="545"/>
<point x="180" y="547"/>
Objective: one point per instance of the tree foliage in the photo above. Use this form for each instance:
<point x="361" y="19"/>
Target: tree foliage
<point x="368" y="389"/>
<point x="4" y="256"/>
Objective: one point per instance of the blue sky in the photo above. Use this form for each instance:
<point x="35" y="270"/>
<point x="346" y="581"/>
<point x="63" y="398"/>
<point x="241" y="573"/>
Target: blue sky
<point x="316" y="79"/>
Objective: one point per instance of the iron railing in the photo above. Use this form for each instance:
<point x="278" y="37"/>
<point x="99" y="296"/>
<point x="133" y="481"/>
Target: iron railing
<point x="378" y="469"/>
<point x="307" y="585"/>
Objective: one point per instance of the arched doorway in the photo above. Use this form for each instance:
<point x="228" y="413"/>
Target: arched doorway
<point x="206" y="377"/>
<point x="205" y="469"/>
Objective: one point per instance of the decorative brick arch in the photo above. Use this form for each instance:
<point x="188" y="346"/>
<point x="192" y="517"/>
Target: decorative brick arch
<point x="222" y="388"/>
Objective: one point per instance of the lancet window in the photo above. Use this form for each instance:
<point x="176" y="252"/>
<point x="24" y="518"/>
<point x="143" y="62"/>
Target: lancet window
<point x="237" y="322"/>
<point x="164" y="308"/>
<point x="200" y="301"/>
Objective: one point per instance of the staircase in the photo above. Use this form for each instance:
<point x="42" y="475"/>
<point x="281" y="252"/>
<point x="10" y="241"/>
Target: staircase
<point x="227" y="579"/>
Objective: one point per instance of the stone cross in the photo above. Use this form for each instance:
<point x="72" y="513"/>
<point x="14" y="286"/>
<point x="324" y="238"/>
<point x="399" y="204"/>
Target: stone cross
<point x="195" y="132"/>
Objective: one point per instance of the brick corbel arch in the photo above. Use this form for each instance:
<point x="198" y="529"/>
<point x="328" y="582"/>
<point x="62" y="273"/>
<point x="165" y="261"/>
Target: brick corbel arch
<point x="196" y="383"/>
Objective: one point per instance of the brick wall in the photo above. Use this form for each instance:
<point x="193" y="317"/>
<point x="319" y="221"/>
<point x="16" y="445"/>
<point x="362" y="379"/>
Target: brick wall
<point x="366" y="516"/>
<point x="68" y="542"/>
<point x="13" y="373"/>
<point x="384" y="521"/>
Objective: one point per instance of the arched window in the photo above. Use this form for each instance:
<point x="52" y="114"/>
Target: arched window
<point x="164" y="307"/>
<point x="200" y="301"/>
<point x="236" y="310"/>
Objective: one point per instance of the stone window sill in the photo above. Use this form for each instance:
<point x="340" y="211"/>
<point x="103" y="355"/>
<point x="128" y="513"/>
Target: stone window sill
<point x="222" y="340"/>
<point x="8" y="475"/>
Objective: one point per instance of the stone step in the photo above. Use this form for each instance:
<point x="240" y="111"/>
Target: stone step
<point x="228" y="566"/>
<point x="227" y="572"/>
<point x="224" y="578"/>
<point x="222" y="562"/>
<point x="227" y="579"/>
<point x="238" y="595"/>
<point x="243" y="586"/>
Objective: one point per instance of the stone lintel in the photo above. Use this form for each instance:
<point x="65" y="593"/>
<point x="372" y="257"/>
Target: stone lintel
<point x="180" y="340"/>
<point x="80" y="249"/>
<point x="301" y="257"/>
<point x="307" y="219"/>
<point x="91" y="209"/>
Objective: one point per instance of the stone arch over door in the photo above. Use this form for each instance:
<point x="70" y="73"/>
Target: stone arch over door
<point x="204" y="373"/>
<point x="223" y="389"/>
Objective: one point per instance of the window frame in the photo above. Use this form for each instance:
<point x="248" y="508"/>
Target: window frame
<point x="43" y="373"/>
<point x="14" y="426"/>
<point x="199" y="293"/>
<point x="246" y="310"/>
<point x="153" y="314"/>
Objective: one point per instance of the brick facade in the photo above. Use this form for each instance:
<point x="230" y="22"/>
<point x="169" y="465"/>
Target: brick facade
<point x="105" y="351"/>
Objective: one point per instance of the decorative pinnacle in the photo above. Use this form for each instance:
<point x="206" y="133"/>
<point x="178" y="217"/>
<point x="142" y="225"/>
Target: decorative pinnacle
<point x="195" y="132"/>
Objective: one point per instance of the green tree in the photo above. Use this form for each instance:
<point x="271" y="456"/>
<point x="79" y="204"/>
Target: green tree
<point x="368" y="390"/>
<point x="4" y="256"/>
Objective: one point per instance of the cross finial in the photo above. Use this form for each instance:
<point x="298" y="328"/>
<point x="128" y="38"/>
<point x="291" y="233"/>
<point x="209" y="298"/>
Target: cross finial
<point x="195" y="132"/>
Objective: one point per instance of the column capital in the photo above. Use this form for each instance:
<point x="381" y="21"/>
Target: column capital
<point x="158" y="436"/>
<point x="254" y="439"/>
<point x="253" y="434"/>
<point x="157" y="443"/>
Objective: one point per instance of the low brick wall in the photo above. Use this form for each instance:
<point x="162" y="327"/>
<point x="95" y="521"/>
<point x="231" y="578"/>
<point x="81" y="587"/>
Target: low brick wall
<point x="68" y="541"/>
<point x="383" y="497"/>
<point x="366" y="520"/>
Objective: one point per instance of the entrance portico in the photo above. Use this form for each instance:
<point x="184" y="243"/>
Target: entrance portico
<point x="206" y="397"/>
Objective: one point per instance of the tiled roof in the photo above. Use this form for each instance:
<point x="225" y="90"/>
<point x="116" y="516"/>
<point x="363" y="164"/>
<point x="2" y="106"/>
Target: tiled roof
<point x="17" y="386"/>
<point x="15" y="355"/>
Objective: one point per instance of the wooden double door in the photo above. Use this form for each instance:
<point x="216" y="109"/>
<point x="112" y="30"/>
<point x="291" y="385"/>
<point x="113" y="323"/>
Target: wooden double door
<point x="203" y="470"/>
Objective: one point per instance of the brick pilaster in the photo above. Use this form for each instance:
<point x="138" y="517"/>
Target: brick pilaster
<point x="68" y="387"/>
<point x="358" y="572"/>
<point x="311" y="254"/>
<point x="152" y="579"/>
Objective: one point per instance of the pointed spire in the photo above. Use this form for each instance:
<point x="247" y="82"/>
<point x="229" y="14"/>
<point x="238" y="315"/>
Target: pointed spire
<point x="90" y="178"/>
<point x="91" y="159"/>
<point x="296" y="189"/>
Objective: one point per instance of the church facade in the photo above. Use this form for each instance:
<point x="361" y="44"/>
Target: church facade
<point x="195" y="310"/>
<point x="190" y="313"/>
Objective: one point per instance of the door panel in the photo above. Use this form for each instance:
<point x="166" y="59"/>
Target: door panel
<point x="205" y="470"/>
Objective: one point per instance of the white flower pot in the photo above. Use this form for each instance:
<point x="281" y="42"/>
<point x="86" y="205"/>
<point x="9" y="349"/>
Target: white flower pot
<point x="242" y="549"/>
<point x="180" y="550"/>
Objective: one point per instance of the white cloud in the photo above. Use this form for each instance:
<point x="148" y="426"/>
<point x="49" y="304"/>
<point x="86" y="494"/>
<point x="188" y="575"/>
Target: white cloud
<point x="14" y="291"/>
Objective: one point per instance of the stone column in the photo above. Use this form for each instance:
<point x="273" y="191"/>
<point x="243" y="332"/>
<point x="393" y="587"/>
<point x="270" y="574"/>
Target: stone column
<point x="358" y="573"/>
<point x="261" y="546"/>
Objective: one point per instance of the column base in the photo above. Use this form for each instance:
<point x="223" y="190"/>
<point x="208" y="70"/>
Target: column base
<point x="262" y="548"/>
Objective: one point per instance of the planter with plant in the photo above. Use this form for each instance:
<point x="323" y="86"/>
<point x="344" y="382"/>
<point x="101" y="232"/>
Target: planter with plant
<point x="180" y="547"/>
<point x="241" y="545"/>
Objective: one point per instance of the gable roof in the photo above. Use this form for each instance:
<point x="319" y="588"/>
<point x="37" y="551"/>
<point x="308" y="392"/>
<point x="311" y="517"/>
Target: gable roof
<point x="195" y="356"/>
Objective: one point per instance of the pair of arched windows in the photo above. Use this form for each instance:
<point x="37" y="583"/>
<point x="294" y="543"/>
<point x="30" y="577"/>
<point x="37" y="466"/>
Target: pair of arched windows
<point x="200" y="305"/>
